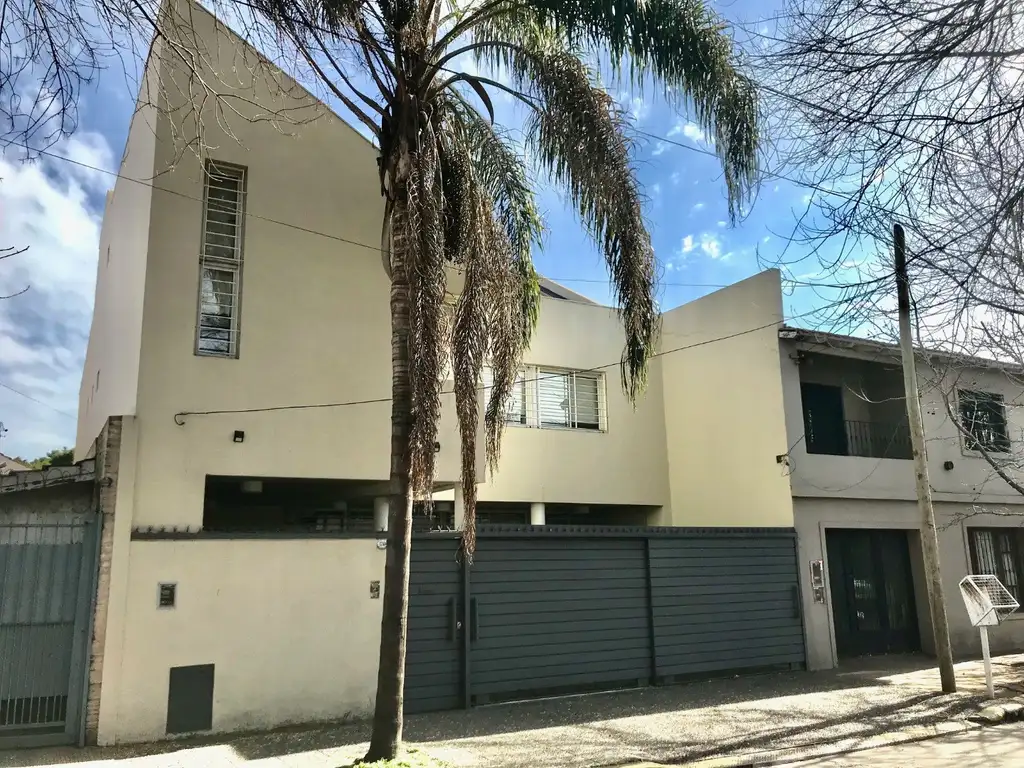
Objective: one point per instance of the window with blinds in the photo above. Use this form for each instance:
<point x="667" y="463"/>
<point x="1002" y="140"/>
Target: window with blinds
<point x="551" y="398"/>
<point x="996" y="552"/>
<point x="220" y="261"/>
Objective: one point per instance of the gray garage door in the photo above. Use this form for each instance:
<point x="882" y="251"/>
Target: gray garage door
<point x="727" y="603"/>
<point x="550" y="615"/>
<point x="558" y="609"/>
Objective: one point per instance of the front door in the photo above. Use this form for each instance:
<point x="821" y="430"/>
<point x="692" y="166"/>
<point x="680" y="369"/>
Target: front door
<point x="872" y="592"/>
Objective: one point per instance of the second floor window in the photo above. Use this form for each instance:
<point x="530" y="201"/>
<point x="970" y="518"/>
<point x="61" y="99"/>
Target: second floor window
<point x="220" y="261"/>
<point x="983" y="418"/>
<point x="552" y="398"/>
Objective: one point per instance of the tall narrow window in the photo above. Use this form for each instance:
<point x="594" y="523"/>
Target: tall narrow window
<point x="220" y="263"/>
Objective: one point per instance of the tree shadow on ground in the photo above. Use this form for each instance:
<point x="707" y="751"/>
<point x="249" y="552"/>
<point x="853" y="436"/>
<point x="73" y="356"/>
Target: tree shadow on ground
<point x="654" y="722"/>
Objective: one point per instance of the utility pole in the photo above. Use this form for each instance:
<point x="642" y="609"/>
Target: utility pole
<point x="929" y="535"/>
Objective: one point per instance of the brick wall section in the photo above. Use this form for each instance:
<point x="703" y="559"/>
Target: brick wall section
<point x="108" y="459"/>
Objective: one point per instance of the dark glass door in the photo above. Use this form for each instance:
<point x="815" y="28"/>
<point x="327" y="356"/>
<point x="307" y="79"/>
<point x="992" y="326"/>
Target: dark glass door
<point x="824" y="422"/>
<point x="872" y="592"/>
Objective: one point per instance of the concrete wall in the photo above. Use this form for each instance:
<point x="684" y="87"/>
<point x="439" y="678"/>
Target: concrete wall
<point x="61" y="503"/>
<point x="289" y="625"/>
<point x="815" y="516"/>
<point x="971" y="479"/>
<point x="723" y="399"/>
<point x="624" y="464"/>
<point x="110" y="375"/>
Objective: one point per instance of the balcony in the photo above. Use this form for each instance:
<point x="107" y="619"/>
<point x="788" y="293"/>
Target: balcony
<point x="870" y="439"/>
<point x="853" y="407"/>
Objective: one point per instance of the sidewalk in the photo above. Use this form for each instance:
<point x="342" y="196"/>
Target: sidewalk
<point x="853" y="706"/>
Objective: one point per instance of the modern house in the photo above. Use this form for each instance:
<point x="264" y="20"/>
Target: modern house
<point x="235" y="404"/>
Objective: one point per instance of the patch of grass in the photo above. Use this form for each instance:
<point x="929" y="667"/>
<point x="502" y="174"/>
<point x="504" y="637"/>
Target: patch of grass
<point x="413" y="758"/>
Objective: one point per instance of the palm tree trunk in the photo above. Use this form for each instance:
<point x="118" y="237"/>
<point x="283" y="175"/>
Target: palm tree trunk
<point x="387" y="715"/>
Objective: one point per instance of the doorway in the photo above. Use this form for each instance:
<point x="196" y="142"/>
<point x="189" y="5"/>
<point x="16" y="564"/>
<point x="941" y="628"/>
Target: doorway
<point x="872" y="591"/>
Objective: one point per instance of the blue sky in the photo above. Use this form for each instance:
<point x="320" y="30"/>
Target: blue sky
<point x="55" y="207"/>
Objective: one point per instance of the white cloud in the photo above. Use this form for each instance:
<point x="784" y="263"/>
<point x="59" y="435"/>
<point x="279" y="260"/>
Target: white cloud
<point x="655" y="190"/>
<point x="692" y="131"/>
<point x="659" y="149"/>
<point x="723" y="223"/>
<point x="697" y="207"/>
<point x="687" y="244"/>
<point x="711" y="245"/>
<point x="766" y="238"/>
<point x="54" y="207"/>
<point x="638" y="108"/>
<point x="676" y="177"/>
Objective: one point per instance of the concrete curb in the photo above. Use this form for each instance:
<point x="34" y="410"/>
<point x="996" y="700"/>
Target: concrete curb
<point x="1005" y="712"/>
<point x="833" y="749"/>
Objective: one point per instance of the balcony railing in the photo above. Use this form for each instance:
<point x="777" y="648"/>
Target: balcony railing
<point x="871" y="439"/>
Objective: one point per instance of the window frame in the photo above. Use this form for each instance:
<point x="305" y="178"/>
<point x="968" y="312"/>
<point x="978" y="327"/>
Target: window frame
<point x="531" y="417"/>
<point x="969" y="441"/>
<point x="1015" y="538"/>
<point x="235" y="265"/>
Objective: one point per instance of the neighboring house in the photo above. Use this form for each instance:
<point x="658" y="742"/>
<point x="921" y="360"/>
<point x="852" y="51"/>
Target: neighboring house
<point x="8" y="465"/>
<point x="235" y="398"/>
<point x="848" y="463"/>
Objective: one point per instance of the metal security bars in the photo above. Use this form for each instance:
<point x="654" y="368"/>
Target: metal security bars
<point x="220" y="263"/>
<point x="552" y="398"/>
<point x="46" y="581"/>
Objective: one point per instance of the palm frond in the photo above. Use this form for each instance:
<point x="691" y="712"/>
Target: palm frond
<point x="497" y="309"/>
<point x="680" y="43"/>
<point x="581" y="138"/>
<point x="425" y="260"/>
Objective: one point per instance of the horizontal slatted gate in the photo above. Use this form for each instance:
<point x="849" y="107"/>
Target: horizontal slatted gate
<point x="551" y="615"/>
<point x="550" y="610"/>
<point x="46" y="577"/>
<point x="724" y="604"/>
<point x="433" y="679"/>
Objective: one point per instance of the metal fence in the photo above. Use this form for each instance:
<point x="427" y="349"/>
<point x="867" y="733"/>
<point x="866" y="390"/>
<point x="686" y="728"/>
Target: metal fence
<point x="47" y="567"/>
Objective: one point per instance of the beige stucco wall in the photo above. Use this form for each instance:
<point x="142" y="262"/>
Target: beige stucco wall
<point x="970" y="480"/>
<point x="289" y="625"/>
<point x="815" y="516"/>
<point x="723" y="400"/>
<point x="315" y="324"/>
<point x="112" y="356"/>
<point x="625" y="464"/>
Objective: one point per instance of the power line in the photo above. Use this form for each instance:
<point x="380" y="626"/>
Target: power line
<point x="179" y="418"/>
<point x="40" y="402"/>
<point x="376" y="248"/>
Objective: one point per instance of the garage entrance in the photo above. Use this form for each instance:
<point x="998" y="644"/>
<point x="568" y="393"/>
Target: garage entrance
<point x="872" y="592"/>
<point x="556" y="609"/>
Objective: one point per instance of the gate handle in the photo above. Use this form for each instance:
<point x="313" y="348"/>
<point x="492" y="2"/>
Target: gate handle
<point x="453" y="619"/>
<point x="474" y="620"/>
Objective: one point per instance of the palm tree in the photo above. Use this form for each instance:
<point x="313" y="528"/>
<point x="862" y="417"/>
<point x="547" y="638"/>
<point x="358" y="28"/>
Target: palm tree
<point x="459" y="194"/>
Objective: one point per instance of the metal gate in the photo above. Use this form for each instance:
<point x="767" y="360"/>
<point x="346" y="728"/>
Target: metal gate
<point x="556" y="609"/>
<point x="550" y="615"/>
<point x="872" y="590"/>
<point x="47" y="576"/>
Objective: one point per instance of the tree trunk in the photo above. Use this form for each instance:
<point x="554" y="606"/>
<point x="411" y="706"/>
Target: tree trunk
<point x="387" y="715"/>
